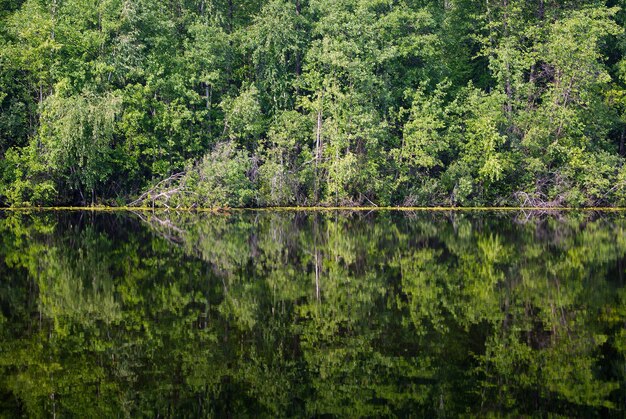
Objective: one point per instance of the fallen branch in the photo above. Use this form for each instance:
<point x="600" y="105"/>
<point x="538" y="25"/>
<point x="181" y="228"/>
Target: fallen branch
<point x="156" y="191"/>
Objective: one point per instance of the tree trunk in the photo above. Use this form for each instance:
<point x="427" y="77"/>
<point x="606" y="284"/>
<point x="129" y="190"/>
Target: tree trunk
<point x="318" y="145"/>
<point x="318" y="137"/>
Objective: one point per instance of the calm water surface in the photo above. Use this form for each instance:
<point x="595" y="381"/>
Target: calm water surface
<point x="312" y="314"/>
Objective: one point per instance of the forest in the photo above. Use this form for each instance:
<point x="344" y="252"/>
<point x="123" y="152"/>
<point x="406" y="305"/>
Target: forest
<point x="224" y="103"/>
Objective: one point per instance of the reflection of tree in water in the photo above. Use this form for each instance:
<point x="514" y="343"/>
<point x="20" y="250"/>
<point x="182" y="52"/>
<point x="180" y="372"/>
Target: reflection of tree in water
<point x="312" y="313"/>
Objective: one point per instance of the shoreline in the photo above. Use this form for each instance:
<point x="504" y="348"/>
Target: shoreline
<point x="308" y="209"/>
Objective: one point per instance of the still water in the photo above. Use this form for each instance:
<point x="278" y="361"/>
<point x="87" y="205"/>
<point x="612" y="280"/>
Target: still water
<point x="312" y="314"/>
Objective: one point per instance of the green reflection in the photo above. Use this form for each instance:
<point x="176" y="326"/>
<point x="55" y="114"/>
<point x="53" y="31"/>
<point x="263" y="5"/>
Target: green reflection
<point x="311" y="314"/>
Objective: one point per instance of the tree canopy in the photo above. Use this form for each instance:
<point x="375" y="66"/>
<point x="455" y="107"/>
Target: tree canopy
<point x="313" y="102"/>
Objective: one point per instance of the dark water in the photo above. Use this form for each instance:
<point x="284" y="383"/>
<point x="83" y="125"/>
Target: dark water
<point x="312" y="314"/>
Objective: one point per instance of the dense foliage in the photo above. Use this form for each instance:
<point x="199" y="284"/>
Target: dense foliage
<point x="312" y="315"/>
<point x="304" y="102"/>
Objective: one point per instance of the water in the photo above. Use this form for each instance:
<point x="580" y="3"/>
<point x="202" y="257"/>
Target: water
<point x="312" y="314"/>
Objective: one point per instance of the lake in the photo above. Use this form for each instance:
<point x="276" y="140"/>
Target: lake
<point x="349" y="314"/>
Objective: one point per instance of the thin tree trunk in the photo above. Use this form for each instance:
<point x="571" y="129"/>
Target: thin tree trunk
<point x="318" y="145"/>
<point x="318" y="139"/>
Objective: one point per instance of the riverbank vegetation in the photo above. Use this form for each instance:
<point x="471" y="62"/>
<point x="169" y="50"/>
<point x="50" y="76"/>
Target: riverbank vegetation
<point x="308" y="102"/>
